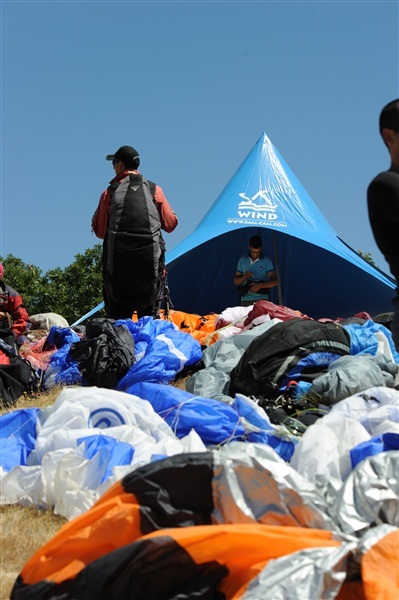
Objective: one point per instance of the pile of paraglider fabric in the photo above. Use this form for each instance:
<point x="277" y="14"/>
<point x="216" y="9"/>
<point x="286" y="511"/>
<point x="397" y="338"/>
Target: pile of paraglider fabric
<point x="274" y="474"/>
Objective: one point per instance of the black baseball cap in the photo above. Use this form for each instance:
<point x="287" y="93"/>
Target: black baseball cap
<point x="126" y="154"/>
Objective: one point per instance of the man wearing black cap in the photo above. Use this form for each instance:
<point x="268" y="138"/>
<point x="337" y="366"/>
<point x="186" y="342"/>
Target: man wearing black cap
<point x="129" y="218"/>
<point x="383" y="203"/>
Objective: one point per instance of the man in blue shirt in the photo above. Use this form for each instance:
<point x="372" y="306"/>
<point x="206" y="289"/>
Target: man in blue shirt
<point x="255" y="274"/>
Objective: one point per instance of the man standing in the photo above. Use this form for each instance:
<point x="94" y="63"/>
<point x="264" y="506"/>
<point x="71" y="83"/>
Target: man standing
<point x="255" y="274"/>
<point x="383" y="203"/>
<point x="129" y="218"/>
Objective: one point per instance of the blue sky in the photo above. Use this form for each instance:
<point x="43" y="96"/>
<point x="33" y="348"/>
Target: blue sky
<point x="192" y="86"/>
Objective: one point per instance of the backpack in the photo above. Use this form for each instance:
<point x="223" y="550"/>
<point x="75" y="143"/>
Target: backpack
<point x="105" y="355"/>
<point x="133" y="248"/>
<point x="16" y="377"/>
<point x="293" y="350"/>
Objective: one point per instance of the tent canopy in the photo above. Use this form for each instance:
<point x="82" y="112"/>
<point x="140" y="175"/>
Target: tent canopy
<point x="320" y="275"/>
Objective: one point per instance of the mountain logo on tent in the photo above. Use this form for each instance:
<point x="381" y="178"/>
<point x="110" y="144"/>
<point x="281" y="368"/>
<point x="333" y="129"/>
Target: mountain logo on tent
<point x="258" y="209"/>
<point x="264" y="202"/>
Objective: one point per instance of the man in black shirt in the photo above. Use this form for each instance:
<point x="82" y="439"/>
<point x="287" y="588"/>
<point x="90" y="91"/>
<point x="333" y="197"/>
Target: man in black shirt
<point x="383" y="203"/>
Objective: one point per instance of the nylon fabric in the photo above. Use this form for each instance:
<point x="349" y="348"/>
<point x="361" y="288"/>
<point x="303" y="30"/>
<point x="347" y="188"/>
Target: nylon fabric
<point x="106" y="355"/>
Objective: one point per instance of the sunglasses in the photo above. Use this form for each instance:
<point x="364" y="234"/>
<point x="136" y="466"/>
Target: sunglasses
<point x="114" y="161"/>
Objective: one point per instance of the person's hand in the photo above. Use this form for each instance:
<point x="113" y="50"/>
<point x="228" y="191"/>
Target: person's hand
<point x="248" y="275"/>
<point x="255" y="287"/>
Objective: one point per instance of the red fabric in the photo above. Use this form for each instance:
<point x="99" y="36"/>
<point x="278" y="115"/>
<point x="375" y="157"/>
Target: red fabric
<point x="275" y="311"/>
<point x="12" y="303"/>
<point x="34" y="353"/>
<point x="4" y="358"/>
<point x="100" y="218"/>
<point x="360" y="315"/>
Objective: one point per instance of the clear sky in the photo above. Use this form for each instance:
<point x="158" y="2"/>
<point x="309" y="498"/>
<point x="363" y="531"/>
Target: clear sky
<point x="192" y="85"/>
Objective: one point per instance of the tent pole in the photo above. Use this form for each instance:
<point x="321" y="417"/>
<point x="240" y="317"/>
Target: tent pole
<point x="87" y="315"/>
<point x="277" y="264"/>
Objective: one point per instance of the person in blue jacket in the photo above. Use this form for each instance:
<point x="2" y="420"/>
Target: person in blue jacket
<point x="255" y="274"/>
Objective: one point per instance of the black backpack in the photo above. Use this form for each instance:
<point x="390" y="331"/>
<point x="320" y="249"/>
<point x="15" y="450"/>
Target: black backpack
<point x="105" y="355"/>
<point x="297" y="349"/>
<point x="17" y="377"/>
<point x="133" y="248"/>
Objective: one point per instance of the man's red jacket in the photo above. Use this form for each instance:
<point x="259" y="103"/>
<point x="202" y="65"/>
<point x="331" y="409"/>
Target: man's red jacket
<point x="12" y="304"/>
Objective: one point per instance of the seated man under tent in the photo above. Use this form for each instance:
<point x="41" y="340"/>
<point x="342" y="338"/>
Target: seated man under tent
<point x="255" y="274"/>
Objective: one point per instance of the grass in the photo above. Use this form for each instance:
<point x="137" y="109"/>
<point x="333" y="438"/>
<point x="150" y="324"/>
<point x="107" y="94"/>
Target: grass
<point x="24" y="530"/>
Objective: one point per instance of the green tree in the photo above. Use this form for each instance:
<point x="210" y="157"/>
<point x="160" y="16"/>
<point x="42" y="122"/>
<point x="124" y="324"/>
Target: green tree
<point x="70" y="292"/>
<point x="27" y="280"/>
<point x="77" y="289"/>
<point x="367" y="256"/>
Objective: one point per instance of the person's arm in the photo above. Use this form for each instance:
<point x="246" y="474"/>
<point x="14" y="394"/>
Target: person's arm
<point x="19" y="315"/>
<point x="239" y="277"/>
<point x="169" y="220"/>
<point x="271" y="282"/>
<point x="383" y="209"/>
<point x="99" y="222"/>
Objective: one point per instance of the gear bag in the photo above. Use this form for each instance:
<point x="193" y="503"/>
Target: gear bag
<point x="106" y="355"/>
<point x="133" y="250"/>
<point x="16" y="377"/>
<point x="294" y="350"/>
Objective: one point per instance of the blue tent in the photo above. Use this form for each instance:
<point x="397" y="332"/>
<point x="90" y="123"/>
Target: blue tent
<point x="320" y="275"/>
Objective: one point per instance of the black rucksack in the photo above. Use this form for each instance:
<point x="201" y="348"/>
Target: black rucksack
<point x="15" y="378"/>
<point x="105" y="355"/>
<point x="133" y="248"/>
<point x="297" y="349"/>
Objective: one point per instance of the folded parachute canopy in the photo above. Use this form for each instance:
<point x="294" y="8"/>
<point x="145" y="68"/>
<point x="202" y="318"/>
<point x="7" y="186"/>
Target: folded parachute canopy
<point x="167" y="530"/>
<point x="202" y="328"/>
<point x="231" y="523"/>
<point x="214" y="421"/>
<point x="160" y="352"/>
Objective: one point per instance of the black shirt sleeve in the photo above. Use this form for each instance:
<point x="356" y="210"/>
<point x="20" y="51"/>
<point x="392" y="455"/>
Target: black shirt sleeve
<point x="383" y="209"/>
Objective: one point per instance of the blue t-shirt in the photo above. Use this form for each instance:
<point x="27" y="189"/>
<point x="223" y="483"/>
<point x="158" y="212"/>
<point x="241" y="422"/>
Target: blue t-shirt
<point x="260" y="269"/>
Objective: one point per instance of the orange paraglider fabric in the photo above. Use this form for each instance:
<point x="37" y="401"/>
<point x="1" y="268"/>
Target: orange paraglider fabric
<point x="199" y="327"/>
<point x="380" y="569"/>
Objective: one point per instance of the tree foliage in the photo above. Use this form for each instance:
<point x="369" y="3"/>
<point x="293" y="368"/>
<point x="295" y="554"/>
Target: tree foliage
<point x="70" y="292"/>
<point x="367" y="256"/>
